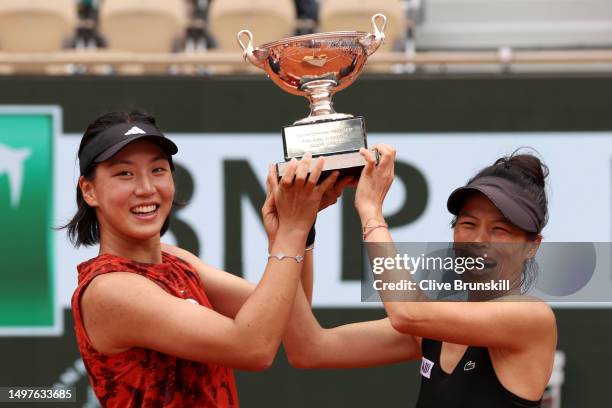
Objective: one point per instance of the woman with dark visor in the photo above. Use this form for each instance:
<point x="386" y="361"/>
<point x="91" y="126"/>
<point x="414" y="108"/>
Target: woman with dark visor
<point x="479" y="354"/>
<point x="155" y="325"/>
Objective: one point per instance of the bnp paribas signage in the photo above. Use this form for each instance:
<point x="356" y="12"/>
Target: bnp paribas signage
<point x="28" y="301"/>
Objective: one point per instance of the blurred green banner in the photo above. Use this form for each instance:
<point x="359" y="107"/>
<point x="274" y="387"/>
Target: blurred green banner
<point x="27" y="292"/>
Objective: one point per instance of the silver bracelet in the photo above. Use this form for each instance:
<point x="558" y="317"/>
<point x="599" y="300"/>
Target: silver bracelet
<point x="280" y="256"/>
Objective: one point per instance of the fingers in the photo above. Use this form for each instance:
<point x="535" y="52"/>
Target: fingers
<point x="271" y="184"/>
<point x="287" y="179"/>
<point x="315" y="174"/>
<point x="302" y="170"/>
<point x="272" y="178"/>
<point x="332" y="195"/>
<point x="367" y="155"/>
<point x="343" y="183"/>
<point x="328" y="182"/>
<point x="370" y="160"/>
<point x="268" y="205"/>
<point x="387" y="153"/>
<point x="383" y="147"/>
<point x="354" y="182"/>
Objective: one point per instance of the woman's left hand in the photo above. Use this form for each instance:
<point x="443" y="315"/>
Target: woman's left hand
<point x="270" y="215"/>
<point x="374" y="182"/>
<point x="268" y="211"/>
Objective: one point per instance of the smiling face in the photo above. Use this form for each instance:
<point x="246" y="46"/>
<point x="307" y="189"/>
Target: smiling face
<point x="132" y="192"/>
<point x="480" y="221"/>
<point x="483" y="229"/>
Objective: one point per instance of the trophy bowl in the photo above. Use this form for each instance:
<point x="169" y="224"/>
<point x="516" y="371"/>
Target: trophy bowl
<point x="316" y="66"/>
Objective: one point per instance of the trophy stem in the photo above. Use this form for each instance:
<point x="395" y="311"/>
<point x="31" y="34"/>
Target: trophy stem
<point x="319" y="93"/>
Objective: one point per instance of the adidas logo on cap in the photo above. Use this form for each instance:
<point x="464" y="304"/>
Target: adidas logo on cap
<point x="135" y="130"/>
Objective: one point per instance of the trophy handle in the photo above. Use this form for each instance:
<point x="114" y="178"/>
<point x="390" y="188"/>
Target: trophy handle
<point x="378" y="36"/>
<point x="248" y="48"/>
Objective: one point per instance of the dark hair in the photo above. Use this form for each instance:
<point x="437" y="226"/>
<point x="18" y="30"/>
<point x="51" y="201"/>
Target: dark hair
<point x="83" y="228"/>
<point x="529" y="173"/>
<point x="526" y="171"/>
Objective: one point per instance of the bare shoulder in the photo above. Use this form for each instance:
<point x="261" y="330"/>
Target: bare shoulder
<point x="544" y="312"/>
<point x="182" y="253"/>
<point x="526" y="368"/>
<point x="534" y="308"/>
<point x="111" y="293"/>
<point x="547" y="320"/>
<point x="107" y="304"/>
<point x="536" y="319"/>
<point x="204" y="270"/>
<point x="108" y="287"/>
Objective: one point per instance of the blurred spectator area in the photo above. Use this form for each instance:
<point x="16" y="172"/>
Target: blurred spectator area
<point x="199" y="36"/>
<point x="477" y="24"/>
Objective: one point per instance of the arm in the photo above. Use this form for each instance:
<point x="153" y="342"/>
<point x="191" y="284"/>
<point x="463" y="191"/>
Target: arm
<point x="363" y="344"/>
<point x="307" y="344"/>
<point x="307" y="279"/>
<point x="330" y="197"/>
<point x="226" y="292"/>
<point x="502" y="324"/>
<point x="116" y="303"/>
<point x="270" y="220"/>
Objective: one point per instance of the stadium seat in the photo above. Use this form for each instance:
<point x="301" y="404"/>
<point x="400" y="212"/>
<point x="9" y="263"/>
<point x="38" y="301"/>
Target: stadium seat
<point x="143" y="25"/>
<point x="354" y="15"/>
<point x="36" y="25"/>
<point x="268" y="20"/>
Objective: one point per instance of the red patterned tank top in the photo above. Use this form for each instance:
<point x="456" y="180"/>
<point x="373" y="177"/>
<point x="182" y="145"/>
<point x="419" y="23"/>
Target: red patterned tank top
<point x="140" y="377"/>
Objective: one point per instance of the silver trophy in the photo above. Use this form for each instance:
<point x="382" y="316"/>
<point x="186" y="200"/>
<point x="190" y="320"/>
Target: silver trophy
<point x="317" y="66"/>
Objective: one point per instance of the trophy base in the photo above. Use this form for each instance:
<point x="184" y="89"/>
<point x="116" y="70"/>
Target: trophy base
<point x="349" y="164"/>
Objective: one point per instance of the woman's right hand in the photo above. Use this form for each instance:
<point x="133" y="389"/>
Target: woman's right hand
<point x="374" y="183"/>
<point x="297" y="196"/>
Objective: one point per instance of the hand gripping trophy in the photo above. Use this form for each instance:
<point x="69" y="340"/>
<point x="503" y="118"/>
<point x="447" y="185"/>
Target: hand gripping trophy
<point x="317" y="66"/>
